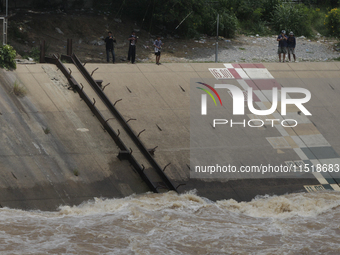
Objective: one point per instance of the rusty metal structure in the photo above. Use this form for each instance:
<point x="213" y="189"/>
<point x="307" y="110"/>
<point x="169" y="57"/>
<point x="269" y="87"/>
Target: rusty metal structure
<point x="154" y="175"/>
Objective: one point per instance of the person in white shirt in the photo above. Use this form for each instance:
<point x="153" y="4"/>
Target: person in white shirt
<point x="158" y="45"/>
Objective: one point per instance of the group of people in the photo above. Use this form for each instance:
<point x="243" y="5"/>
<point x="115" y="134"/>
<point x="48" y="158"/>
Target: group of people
<point x="110" y="40"/>
<point x="286" y="45"/>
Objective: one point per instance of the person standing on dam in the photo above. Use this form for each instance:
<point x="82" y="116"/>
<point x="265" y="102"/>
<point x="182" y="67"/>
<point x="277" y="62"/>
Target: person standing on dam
<point x="132" y="47"/>
<point x="291" y="43"/>
<point x="158" y="45"/>
<point x="282" y="47"/>
<point x="109" y="40"/>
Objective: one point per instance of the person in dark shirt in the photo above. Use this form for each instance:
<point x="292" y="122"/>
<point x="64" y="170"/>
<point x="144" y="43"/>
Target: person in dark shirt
<point x="291" y="43"/>
<point x="109" y="40"/>
<point x="132" y="47"/>
<point x="282" y="49"/>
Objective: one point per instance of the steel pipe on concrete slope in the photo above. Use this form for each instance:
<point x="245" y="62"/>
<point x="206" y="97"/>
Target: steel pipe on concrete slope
<point x="125" y="152"/>
<point x="123" y="122"/>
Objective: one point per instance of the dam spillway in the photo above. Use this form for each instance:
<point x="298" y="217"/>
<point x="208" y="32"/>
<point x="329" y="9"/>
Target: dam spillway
<point x="54" y="151"/>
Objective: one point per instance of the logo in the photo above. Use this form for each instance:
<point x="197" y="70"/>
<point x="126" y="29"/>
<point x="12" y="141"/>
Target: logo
<point x="204" y="97"/>
<point x="239" y="99"/>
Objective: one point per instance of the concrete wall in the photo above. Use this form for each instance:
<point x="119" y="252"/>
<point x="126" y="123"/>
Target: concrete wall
<point x="52" y="149"/>
<point x="50" y="134"/>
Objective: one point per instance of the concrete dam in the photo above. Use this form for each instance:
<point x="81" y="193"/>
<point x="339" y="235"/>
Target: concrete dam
<point x="58" y="147"/>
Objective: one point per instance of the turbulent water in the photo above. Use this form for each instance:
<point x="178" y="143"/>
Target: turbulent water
<point x="305" y="223"/>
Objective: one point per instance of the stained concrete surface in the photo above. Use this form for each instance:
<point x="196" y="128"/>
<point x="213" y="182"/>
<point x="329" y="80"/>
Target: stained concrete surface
<point x="38" y="169"/>
<point x="53" y="150"/>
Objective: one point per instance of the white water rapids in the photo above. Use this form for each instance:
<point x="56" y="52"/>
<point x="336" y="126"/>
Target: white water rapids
<point x="303" y="223"/>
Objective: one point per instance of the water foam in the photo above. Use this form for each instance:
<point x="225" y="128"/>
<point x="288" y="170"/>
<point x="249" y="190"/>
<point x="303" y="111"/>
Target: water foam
<point x="301" y="204"/>
<point x="172" y="223"/>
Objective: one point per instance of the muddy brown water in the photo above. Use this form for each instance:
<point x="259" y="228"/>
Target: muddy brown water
<point x="304" y="223"/>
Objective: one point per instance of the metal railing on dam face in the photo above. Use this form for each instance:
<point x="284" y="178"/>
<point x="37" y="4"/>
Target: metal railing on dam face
<point x="125" y="153"/>
<point x="123" y="122"/>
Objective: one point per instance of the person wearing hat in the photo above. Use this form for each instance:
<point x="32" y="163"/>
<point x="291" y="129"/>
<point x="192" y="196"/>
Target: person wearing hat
<point x="291" y="43"/>
<point x="282" y="39"/>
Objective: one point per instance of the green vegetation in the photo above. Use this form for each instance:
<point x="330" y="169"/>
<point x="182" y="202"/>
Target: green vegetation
<point x="318" y="20"/>
<point x="75" y="172"/>
<point x="332" y="22"/>
<point x="34" y="53"/>
<point x="19" y="90"/>
<point x="192" y="18"/>
<point x="292" y="17"/>
<point x="47" y="130"/>
<point x="7" y="56"/>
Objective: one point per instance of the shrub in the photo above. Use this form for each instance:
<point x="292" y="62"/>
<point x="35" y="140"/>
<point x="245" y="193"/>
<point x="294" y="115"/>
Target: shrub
<point x="268" y="8"/>
<point x="35" y="54"/>
<point x="47" y="130"/>
<point x="332" y="22"/>
<point x="76" y="172"/>
<point x="19" y="90"/>
<point x="318" y="20"/>
<point x="250" y="28"/>
<point x="252" y="16"/>
<point x="292" y="17"/>
<point x="7" y="55"/>
<point x="227" y="24"/>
